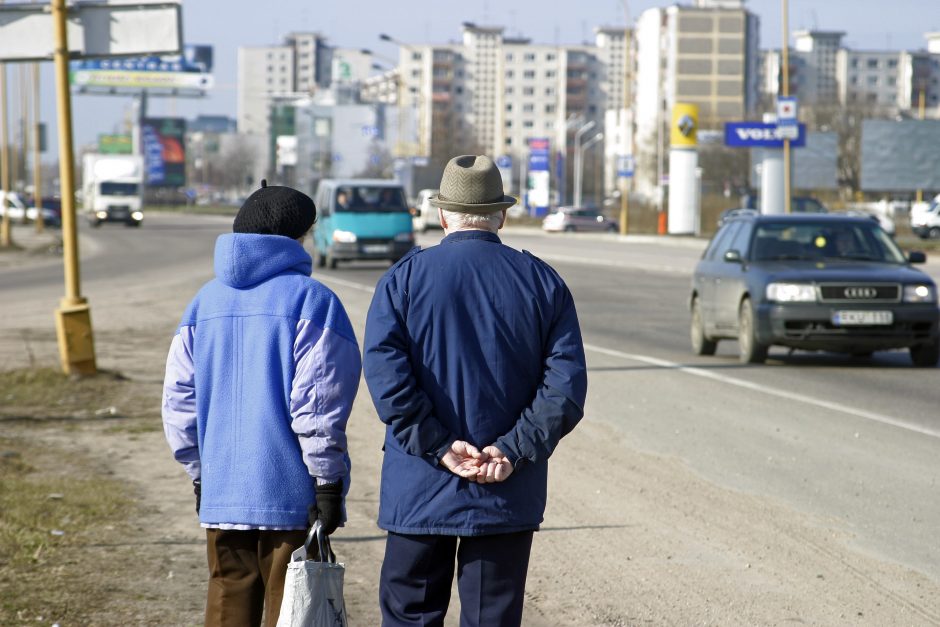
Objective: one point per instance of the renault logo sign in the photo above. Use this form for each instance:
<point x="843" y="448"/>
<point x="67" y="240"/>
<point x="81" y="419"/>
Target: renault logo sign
<point x="686" y="125"/>
<point x="860" y="292"/>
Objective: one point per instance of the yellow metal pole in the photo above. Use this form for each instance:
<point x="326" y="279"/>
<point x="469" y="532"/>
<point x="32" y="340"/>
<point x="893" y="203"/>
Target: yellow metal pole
<point x="922" y="110"/>
<point x="73" y="317"/>
<point x="24" y="129"/>
<point x="785" y="88"/>
<point x="37" y="163"/>
<point x="625" y="184"/>
<point x="6" y="233"/>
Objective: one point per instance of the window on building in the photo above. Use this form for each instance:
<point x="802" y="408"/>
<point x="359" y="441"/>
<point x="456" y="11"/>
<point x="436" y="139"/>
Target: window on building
<point x="550" y="74"/>
<point x="528" y="124"/>
<point x="550" y="125"/>
<point x="872" y="63"/>
<point x="892" y="63"/>
<point x="509" y="74"/>
<point x="872" y="97"/>
<point x="549" y="91"/>
<point x="270" y="68"/>
<point x="853" y="80"/>
<point x="415" y="73"/>
<point x="528" y="107"/>
<point x="528" y="91"/>
<point x="529" y="56"/>
<point x="549" y="108"/>
<point x="592" y="109"/>
<point x="509" y="56"/>
<point x="872" y="80"/>
<point x="416" y="56"/>
<point x="892" y="82"/>
<point x="509" y="107"/>
<point x="458" y="90"/>
<point x="528" y="74"/>
<point x="550" y="56"/>
<point x="509" y="90"/>
<point x="509" y="141"/>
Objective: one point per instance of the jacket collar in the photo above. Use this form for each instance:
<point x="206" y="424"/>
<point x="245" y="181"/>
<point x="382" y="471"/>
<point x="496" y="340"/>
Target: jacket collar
<point x="461" y="236"/>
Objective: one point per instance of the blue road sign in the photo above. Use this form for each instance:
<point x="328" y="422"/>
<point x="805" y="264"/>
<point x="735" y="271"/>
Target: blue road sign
<point x="760" y="135"/>
<point x="503" y="162"/>
<point x="626" y="165"/>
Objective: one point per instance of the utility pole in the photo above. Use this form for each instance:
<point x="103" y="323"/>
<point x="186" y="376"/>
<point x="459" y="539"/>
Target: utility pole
<point x="73" y="317"/>
<point x="37" y="149"/>
<point x="624" y="182"/>
<point x="577" y="161"/>
<point x="785" y="88"/>
<point x="6" y="234"/>
<point x="24" y="131"/>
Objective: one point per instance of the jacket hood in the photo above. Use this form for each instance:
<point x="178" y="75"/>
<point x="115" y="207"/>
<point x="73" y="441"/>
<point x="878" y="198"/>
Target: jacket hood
<point x="244" y="259"/>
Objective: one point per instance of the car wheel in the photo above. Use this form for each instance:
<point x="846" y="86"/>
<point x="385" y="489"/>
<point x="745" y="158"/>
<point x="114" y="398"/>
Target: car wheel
<point x="701" y="344"/>
<point x="331" y="261"/>
<point x="611" y="228"/>
<point x="569" y="229"/>
<point x="934" y="233"/>
<point x="926" y="355"/>
<point x="750" y="351"/>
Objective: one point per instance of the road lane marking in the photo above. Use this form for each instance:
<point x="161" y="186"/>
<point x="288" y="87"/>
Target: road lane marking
<point x="590" y="261"/>
<point x="756" y="387"/>
<point x="705" y="374"/>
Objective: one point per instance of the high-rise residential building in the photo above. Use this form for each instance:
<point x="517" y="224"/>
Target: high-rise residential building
<point x="707" y="55"/>
<point x="886" y="81"/>
<point x="300" y="66"/>
<point x="493" y="93"/>
<point x="869" y="78"/>
<point x="819" y="52"/>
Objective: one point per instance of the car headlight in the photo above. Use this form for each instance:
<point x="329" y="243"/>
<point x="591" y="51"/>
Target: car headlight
<point x="404" y="237"/>
<point x="102" y="215"/>
<point x="344" y="237"/>
<point x="791" y="292"/>
<point x="919" y="294"/>
<point x="137" y="215"/>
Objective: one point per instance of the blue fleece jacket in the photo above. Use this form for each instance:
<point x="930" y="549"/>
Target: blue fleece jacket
<point x="260" y="381"/>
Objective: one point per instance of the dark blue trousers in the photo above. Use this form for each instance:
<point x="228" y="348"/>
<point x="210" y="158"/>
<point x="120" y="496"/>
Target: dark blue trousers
<point x="418" y="573"/>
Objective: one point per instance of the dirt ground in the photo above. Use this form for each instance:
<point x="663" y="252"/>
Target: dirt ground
<point x="629" y="538"/>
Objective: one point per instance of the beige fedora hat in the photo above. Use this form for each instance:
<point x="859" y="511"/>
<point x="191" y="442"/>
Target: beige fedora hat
<point x="472" y="184"/>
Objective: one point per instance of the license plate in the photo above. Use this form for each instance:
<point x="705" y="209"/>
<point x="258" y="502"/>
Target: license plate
<point x="375" y="248"/>
<point x="862" y="318"/>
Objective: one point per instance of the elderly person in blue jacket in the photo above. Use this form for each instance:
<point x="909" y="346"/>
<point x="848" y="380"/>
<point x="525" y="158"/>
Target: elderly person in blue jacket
<point x="474" y="360"/>
<point x="260" y="381"/>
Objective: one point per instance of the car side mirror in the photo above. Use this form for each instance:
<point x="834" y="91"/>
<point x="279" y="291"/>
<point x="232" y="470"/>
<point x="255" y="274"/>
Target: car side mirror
<point x="916" y="256"/>
<point x="733" y="256"/>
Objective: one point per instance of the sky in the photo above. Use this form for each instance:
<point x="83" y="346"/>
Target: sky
<point x="228" y="24"/>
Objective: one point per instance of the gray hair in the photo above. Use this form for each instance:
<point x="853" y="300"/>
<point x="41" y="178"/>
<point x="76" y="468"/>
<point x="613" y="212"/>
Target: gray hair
<point x="457" y="221"/>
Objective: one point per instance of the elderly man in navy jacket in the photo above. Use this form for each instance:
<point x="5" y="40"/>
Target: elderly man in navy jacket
<point x="474" y="359"/>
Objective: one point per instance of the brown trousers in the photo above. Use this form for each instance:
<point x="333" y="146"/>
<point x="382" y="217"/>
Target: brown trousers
<point x="246" y="575"/>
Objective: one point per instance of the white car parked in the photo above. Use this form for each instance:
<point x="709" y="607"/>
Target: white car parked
<point x="424" y="215"/>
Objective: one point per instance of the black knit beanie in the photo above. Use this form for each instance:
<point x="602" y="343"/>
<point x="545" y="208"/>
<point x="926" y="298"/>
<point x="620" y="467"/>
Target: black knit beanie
<point x="276" y="211"/>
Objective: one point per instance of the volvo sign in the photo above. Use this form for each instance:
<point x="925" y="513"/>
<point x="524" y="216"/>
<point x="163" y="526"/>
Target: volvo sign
<point x="759" y="135"/>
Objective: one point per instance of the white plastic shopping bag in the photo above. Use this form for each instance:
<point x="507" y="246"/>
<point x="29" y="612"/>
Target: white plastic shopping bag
<point x="313" y="588"/>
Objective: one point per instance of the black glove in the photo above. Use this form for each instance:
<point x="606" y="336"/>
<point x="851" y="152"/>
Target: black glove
<point x="197" y="490"/>
<point x="329" y="506"/>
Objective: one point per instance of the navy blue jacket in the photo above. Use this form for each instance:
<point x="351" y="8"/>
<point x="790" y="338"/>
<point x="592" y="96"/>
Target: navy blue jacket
<point x="471" y="340"/>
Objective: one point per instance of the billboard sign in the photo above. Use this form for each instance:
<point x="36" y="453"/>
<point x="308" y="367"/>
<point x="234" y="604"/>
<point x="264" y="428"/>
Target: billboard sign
<point x="94" y="29"/>
<point x="164" y="146"/>
<point x="186" y="73"/>
<point x="760" y="135"/>
<point x="900" y="155"/>
<point x="115" y="144"/>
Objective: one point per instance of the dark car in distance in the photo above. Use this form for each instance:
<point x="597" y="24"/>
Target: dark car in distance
<point x="818" y="282"/>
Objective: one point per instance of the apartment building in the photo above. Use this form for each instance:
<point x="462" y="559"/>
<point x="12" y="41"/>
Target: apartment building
<point x="869" y="78"/>
<point x="705" y="54"/>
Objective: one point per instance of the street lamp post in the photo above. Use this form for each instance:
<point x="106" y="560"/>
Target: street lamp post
<point x="580" y="177"/>
<point x="419" y="140"/>
<point x="577" y="160"/>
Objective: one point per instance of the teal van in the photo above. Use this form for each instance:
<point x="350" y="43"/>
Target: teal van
<point x="361" y="219"/>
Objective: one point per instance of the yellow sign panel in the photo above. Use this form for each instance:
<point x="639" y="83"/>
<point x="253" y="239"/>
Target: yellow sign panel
<point x="684" y="129"/>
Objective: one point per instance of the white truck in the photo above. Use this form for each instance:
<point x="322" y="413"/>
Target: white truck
<point x="925" y="218"/>
<point x="112" y="188"/>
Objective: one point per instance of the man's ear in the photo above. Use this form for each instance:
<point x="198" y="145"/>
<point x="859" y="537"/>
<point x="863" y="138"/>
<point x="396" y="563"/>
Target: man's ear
<point x="503" y="221"/>
<point x="440" y="216"/>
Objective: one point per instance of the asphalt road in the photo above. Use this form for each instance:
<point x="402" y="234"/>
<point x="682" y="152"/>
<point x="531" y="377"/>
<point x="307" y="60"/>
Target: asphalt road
<point x="852" y="442"/>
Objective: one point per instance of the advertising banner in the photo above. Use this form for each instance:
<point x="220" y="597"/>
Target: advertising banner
<point x="164" y="146"/>
<point x="115" y="144"/>
<point x="189" y="72"/>
<point x="539" y="179"/>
